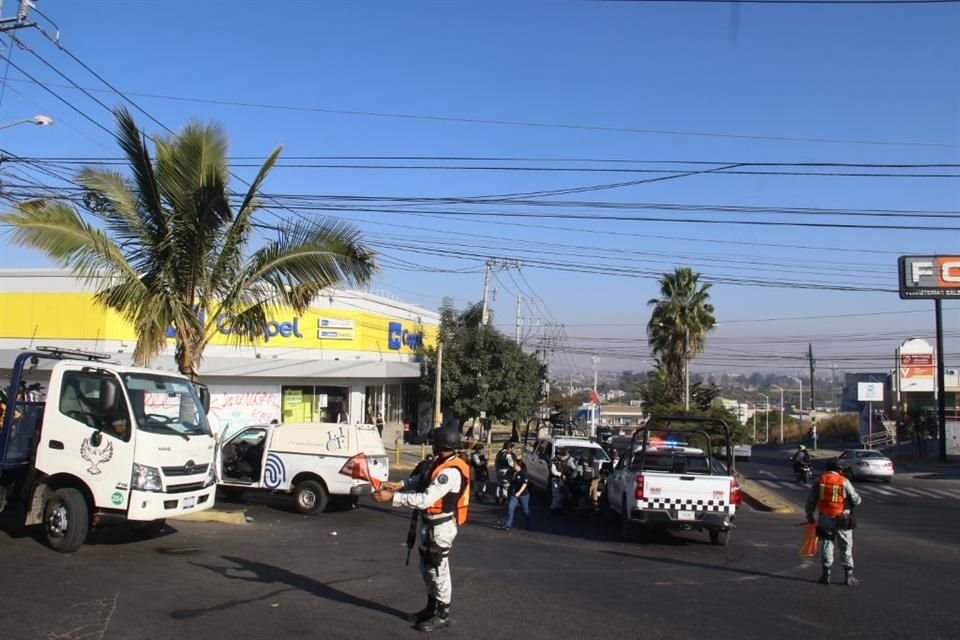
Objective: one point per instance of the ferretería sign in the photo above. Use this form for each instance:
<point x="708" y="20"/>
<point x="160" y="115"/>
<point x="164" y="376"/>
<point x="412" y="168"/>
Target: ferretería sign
<point x="929" y="277"/>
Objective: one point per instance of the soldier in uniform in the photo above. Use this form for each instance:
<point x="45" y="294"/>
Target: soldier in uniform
<point x="442" y="494"/>
<point x="834" y="497"/>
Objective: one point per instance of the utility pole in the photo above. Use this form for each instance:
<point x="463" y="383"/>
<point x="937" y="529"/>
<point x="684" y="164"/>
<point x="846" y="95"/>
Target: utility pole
<point x="595" y="410"/>
<point x="519" y="319"/>
<point x="18" y="22"/>
<point x="484" y="314"/>
<point x="813" y="415"/>
<point x="436" y="390"/>
<point x="686" y="369"/>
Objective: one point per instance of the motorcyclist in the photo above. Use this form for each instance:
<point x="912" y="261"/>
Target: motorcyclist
<point x="800" y="458"/>
<point x="503" y="464"/>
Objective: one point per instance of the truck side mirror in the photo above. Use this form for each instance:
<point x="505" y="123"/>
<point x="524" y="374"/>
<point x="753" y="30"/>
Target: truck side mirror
<point x="204" y="393"/>
<point x="109" y="395"/>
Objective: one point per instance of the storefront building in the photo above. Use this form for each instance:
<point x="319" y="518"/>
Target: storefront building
<point x="352" y="355"/>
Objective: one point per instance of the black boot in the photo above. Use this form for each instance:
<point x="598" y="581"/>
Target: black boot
<point x="426" y="613"/>
<point x="848" y="578"/>
<point x="439" y="620"/>
<point x="824" y="577"/>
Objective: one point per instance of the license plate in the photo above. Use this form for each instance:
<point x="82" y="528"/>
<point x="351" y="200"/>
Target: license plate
<point x="189" y="502"/>
<point x="686" y="515"/>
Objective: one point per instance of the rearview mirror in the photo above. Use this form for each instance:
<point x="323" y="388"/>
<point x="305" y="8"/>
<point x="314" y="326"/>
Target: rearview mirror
<point x="204" y="393"/>
<point x="109" y="395"/>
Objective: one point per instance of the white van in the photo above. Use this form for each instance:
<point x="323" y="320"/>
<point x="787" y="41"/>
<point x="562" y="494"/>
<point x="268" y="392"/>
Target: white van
<point x="301" y="459"/>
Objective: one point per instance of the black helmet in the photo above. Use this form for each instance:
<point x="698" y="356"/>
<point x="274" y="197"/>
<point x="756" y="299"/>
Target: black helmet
<point x="446" y="439"/>
<point x="834" y="465"/>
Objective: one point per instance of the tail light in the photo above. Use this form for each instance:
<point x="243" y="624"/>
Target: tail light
<point x="735" y="497"/>
<point x="638" y="490"/>
<point x="863" y="463"/>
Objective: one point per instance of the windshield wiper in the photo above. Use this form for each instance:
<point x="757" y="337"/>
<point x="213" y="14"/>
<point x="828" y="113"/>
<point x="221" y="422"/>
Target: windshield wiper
<point x="150" y="424"/>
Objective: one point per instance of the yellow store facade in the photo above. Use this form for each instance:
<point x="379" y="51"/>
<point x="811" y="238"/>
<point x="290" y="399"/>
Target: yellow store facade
<point x="350" y="356"/>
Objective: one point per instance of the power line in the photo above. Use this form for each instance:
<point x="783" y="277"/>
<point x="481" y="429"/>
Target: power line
<point x="545" y="125"/>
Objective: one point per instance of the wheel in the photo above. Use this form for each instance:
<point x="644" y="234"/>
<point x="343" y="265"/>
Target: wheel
<point x="148" y="530"/>
<point x="310" y="497"/>
<point x="628" y="530"/>
<point x="719" y="538"/>
<point x="66" y="520"/>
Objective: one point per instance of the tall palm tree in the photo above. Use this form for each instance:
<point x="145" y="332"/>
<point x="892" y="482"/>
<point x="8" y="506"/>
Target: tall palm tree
<point x="166" y="249"/>
<point x="679" y="323"/>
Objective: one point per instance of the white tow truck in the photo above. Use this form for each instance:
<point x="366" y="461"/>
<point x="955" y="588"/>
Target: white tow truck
<point x="662" y="482"/>
<point x="108" y="444"/>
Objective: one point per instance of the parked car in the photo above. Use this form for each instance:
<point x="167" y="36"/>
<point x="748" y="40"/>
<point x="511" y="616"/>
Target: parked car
<point x="863" y="464"/>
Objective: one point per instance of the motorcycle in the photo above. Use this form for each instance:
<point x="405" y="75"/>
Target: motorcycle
<point x="803" y="472"/>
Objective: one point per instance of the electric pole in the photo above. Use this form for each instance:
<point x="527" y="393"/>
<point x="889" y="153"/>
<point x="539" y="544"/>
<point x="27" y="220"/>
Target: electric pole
<point x="813" y="415"/>
<point x="484" y="315"/>
<point x="519" y="319"/>
<point x="18" y="22"/>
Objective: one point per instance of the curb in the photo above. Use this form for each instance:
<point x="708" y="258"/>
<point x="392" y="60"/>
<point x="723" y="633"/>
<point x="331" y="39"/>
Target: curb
<point x="215" y="515"/>
<point x="763" y="499"/>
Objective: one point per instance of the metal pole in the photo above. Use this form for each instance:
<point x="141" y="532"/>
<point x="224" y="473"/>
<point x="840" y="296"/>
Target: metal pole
<point x="686" y="369"/>
<point x="436" y="388"/>
<point x="484" y="314"/>
<point x="519" y="320"/>
<point x="941" y="391"/>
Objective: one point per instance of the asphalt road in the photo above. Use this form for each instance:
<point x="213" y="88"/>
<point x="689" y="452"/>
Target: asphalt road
<point x="288" y="576"/>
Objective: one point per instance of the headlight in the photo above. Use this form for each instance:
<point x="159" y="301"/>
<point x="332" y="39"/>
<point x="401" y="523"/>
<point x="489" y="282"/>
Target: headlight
<point x="211" y="476"/>
<point x="145" y="478"/>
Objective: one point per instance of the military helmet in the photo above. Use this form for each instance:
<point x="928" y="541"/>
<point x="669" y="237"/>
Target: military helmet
<point x="446" y="439"/>
<point x="834" y="465"/>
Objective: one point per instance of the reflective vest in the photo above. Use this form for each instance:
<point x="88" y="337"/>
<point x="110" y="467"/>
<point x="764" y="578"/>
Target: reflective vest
<point x="831" y="502"/>
<point x="455" y="503"/>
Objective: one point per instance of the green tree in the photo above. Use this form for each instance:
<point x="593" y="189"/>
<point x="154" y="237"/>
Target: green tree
<point x="167" y="249"/>
<point x="679" y="323"/>
<point x="482" y="369"/>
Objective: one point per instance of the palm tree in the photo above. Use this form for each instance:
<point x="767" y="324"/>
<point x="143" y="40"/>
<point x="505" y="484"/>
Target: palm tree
<point x="678" y="326"/>
<point x="166" y="249"/>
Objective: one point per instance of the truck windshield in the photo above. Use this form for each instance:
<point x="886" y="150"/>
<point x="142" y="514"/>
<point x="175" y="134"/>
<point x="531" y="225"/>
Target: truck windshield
<point x="166" y="405"/>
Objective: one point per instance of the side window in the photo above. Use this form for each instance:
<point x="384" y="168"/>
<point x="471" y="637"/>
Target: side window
<point x="80" y="401"/>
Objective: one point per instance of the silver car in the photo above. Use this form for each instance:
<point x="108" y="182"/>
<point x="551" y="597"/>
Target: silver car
<point x="862" y="464"/>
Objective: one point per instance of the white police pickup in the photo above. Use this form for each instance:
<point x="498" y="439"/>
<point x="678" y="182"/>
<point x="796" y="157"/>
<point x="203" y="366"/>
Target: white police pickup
<point x="663" y="483"/>
<point x="300" y="459"/>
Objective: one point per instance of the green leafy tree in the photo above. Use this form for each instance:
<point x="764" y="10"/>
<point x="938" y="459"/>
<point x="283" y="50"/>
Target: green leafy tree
<point x="482" y="370"/>
<point x="167" y="248"/>
<point x="681" y="318"/>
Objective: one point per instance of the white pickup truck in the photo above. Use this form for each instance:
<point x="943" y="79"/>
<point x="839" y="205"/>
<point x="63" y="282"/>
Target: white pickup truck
<point x="662" y="483"/>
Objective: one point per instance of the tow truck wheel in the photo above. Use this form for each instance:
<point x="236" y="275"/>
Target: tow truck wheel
<point x="719" y="538"/>
<point x="310" y="497"/>
<point x="66" y="520"/>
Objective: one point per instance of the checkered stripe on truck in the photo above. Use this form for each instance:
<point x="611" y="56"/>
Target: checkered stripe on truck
<point x="683" y="504"/>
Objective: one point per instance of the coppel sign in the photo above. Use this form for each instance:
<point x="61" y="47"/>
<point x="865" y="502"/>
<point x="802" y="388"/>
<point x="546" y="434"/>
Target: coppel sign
<point x="926" y="277"/>
<point x="398" y="337"/>
<point x="269" y="329"/>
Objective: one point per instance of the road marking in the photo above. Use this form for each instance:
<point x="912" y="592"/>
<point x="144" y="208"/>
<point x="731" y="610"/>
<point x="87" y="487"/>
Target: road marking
<point x="951" y="493"/>
<point x="881" y="491"/>
<point x="767" y="473"/>
<point x="902" y="491"/>
<point x="769" y="483"/>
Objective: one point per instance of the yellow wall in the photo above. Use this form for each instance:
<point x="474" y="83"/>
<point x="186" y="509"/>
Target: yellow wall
<point x="74" y="316"/>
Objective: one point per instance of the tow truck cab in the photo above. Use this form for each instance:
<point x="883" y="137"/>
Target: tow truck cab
<point x="107" y="444"/>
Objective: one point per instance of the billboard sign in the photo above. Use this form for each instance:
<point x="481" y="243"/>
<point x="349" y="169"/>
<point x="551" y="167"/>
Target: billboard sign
<point x="929" y="277"/>
<point x="870" y="391"/>
<point x="916" y="365"/>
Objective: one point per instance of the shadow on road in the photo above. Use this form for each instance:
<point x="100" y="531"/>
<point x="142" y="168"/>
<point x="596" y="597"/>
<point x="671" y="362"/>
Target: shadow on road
<point x="703" y="565"/>
<point x="270" y="574"/>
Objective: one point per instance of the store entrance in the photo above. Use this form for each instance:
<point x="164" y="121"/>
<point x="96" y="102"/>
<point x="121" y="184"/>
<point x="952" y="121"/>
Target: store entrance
<point x="314" y="403"/>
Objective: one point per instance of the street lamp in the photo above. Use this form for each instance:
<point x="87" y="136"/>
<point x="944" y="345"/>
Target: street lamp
<point x="40" y="120"/>
<point x="781" y="410"/>
<point x="801" y="395"/>
<point x="766" y="406"/>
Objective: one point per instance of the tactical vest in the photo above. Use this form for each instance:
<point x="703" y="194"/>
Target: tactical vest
<point x="455" y="503"/>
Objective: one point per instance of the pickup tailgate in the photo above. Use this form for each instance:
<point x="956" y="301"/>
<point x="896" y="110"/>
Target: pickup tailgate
<point x="685" y="495"/>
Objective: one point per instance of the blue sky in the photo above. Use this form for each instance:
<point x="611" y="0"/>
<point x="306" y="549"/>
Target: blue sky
<point x="769" y="79"/>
